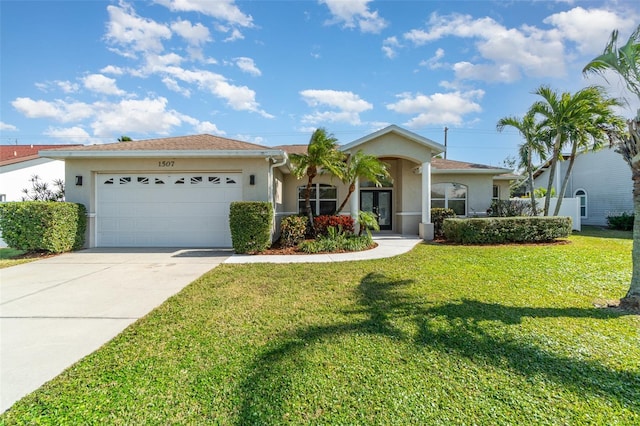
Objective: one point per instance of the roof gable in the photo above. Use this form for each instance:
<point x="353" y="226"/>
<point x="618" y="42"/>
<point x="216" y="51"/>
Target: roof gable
<point x="435" y="147"/>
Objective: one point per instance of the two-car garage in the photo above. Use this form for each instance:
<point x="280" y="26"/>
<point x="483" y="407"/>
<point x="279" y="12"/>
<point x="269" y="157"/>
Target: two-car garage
<point x="165" y="210"/>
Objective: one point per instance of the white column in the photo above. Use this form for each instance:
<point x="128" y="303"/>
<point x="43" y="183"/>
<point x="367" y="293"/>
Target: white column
<point x="354" y="204"/>
<point x="425" y="229"/>
<point x="426" y="192"/>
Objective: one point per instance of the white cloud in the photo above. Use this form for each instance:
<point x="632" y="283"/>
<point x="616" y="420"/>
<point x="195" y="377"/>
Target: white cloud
<point x="438" y="108"/>
<point x="208" y="127"/>
<point x="100" y="84"/>
<point x="348" y="106"/>
<point x="235" y="35"/>
<point x="434" y="61"/>
<point x="389" y="46"/>
<point x="67" y="86"/>
<point x="112" y="69"/>
<point x="131" y="31"/>
<point x="504" y="73"/>
<point x="134" y="116"/>
<point x="71" y="135"/>
<point x="247" y="65"/>
<point x="355" y="13"/>
<point x="59" y="110"/>
<point x="195" y="35"/>
<point x="590" y="28"/>
<point x="225" y="10"/>
<point x="173" y="85"/>
<point x="8" y="127"/>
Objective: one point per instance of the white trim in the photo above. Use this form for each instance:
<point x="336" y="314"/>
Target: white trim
<point x="586" y="202"/>
<point x="166" y="153"/>
<point x="408" y="213"/>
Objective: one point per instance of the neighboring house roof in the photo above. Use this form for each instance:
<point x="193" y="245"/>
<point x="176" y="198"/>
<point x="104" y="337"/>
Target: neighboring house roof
<point x="541" y="169"/>
<point x="442" y="166"/>
<point x="12" y="154"/>
<point x="434" y="146"/>
<point x="293" y="149"/>
<point x="180" y="146"/>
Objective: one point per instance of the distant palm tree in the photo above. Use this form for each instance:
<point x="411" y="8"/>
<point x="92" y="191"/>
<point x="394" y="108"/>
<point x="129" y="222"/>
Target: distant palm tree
<point x="625" y="61"/>
<point x="535" y="143"/>
<point x="361" y="165"/>
<point x="322" y="155"/>
<point x="567" y="116"/>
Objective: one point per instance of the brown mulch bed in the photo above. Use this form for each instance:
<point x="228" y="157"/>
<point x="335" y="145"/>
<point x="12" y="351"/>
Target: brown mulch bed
<point x="35" y="255"/>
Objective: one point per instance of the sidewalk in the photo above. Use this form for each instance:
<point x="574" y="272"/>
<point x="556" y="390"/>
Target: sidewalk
<point x="388" y="245"/>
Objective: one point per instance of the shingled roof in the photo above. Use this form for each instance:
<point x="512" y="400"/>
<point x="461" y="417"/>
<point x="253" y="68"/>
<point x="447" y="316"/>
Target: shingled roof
<point x="203" y="142"/>
<point x="442" y="164"/>
<point x="12" y="154"/>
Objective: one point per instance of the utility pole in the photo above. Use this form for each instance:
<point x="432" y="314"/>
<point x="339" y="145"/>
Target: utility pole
<point x="446" y="129"/>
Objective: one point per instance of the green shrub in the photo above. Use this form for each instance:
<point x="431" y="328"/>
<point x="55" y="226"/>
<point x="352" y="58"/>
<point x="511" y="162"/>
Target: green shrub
<point x="438" y="215"/>
<point x="510" y="208"/>
<point x="336" y="240"/>
<point x="506" y="230"/>
<point x="50" y="226"/>
<point x="250" y="223"/>
<point x="324" y="222"/>
<point x="622" y="222"/>
<point x="292" y="230"/>
<point x="368" y="222"/>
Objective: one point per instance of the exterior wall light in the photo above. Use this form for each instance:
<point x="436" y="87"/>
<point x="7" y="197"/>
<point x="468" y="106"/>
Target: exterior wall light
<point x="78" y="180"/>
<point x="252" y="179"/>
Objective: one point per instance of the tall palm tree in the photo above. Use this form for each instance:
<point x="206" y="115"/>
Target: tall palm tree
<point x="564" y="116"/>
<point x="322" y="156"/>
<point x="625" y="61"/>
<point x="597" y="130"/>
<point x="534" y="144"/>
<point x="361" y="165"/>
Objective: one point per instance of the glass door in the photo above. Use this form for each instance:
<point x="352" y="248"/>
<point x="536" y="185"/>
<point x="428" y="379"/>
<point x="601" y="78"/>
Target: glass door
<point x="378" y="202"/>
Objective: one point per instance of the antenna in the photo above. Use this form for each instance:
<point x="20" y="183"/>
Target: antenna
<point x="446" y="129"/>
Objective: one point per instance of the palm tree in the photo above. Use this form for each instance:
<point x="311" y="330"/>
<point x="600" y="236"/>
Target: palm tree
<point x="361" y="165"/>
<point x="566" y="116"/>
<point x="625" y="61"/>
<point x="593" y="133"/>
<point x="322" y="155"/>
<point x="534" y="144"/>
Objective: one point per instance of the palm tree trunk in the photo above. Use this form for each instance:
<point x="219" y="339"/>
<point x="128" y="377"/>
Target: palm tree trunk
<point x="552" y="171"/>
<point x="352" y="188"/>
<point x="534" y="208"/>
<point x="307" y="204"/>
<point x="565" y="181"/>
<point x="632" y="298"/>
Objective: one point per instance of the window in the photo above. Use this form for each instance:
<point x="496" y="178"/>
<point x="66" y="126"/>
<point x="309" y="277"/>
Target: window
<point x="582" y="195"/>
<point x="324" y="198"/>
<point x="3" y="198"/>
<point x="450" y="196"/>
<point x="496" y="192"/>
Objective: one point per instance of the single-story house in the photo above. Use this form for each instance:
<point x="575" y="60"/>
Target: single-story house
<point x="176" y="191"/>
<point x="600" y="179"/>
<point x="19" y="163"/>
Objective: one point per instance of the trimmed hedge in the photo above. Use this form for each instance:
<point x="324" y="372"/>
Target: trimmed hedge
<point x="621" y="222"/>
<point x="250" y="223"/>
<point x="501" y="230"/>
<point x="50" y="226"/>
<point x="438" y="215"/>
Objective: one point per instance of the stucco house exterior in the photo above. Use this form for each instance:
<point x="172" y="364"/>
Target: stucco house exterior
<point x="176" y="191"/>
<point x="601" y="180"/>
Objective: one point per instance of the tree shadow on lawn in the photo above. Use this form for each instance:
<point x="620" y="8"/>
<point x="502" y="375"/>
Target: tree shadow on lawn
<point x="450" y="328"/>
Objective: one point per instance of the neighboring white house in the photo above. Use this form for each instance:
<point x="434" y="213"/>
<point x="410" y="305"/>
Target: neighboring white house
<point x="600" y="179"/>
<point x="19" y="163"/>
<point x="176" y="191"/>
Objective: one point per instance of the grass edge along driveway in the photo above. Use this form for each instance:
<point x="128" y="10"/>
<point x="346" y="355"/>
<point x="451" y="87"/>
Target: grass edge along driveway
<point x="441" y="335"/>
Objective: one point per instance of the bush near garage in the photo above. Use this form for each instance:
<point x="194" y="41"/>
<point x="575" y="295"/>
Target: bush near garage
<point x="438" y="215"/>
<point x="292" y="230"/>
<point x="250" y="223"/>
<point x="500" y="230"/>
<point x="621" y="222"/>
<point x="50" y="226"/>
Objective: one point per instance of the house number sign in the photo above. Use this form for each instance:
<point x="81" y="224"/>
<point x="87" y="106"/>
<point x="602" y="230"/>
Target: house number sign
<point x="166" y="163"/>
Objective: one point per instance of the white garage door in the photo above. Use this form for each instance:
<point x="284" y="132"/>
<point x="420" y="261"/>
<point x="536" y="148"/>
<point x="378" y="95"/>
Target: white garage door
<point x="166" y="210"/>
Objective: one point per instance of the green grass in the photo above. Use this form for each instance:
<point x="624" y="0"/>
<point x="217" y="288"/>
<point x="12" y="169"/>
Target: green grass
<point x="7" y="256"/>
<point x="442" y="335"/>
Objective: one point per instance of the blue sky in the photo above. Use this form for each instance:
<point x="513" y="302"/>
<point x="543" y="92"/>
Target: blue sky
<point x="270" y="72"/>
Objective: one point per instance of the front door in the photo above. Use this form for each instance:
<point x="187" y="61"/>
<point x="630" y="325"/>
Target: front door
<point x="379" y="203"/>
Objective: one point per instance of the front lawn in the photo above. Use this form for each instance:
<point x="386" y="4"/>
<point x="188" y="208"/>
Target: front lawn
<point x="442" y="335"/>
<point x="12" y="257"/>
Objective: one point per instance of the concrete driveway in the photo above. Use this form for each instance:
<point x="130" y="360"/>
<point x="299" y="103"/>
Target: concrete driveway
<point x="55" y="311"/>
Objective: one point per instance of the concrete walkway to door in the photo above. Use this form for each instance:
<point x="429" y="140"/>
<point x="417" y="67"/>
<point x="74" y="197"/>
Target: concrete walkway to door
<point x="55" y="311"/>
